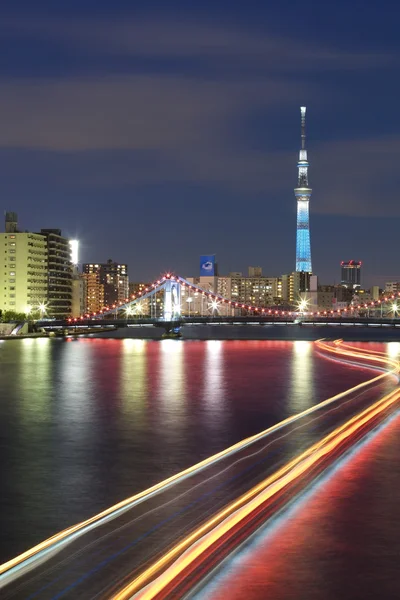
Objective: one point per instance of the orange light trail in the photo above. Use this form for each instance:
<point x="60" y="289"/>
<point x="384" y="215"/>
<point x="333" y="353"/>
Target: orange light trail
<point x="70" y="533"/>
<point x="200" y="541"/>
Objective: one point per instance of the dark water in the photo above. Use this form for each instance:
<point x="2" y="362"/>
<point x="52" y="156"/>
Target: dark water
<point x="341" y="541"/>
<point x="88" y="422"/>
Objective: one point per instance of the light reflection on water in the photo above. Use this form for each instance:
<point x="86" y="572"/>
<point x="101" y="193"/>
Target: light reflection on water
<point x="88" y="422"/>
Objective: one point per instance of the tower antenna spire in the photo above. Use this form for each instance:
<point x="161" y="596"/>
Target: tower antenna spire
<point x="303" y="127"/>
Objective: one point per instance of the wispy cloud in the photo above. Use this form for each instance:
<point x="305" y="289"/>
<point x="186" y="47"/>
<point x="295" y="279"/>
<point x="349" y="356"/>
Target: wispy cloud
<point x="144" y="38"/>
<point x="183" y="125"/>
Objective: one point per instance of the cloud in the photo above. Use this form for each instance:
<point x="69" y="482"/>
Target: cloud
<point x="180" y="129"/>
<point x="245" y="49"/>
<point x="356" y="177"/>
<point x="185" y="124"/>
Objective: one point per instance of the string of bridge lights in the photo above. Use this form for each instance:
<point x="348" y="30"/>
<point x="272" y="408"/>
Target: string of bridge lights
<point x="303" y="304"/>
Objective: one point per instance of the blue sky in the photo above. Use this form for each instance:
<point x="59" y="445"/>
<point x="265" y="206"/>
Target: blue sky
<point x="155" y="132"/>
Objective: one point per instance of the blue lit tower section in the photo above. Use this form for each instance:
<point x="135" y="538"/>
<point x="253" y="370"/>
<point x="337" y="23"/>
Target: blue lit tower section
<point x="303" y="193"/>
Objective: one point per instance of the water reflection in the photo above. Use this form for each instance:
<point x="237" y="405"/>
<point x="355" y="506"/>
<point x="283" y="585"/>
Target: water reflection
<point x="302" y="377"/>
<point x="214" y="376"/>
<point x="34" y="380"/>
<point x="87" y="422"/>
<point x="133" y="384"/>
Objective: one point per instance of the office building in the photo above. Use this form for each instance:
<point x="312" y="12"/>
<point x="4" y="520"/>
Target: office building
<point x="351" y="273"/>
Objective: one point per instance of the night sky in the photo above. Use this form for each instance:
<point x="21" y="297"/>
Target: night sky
<point x="158" y="131"/>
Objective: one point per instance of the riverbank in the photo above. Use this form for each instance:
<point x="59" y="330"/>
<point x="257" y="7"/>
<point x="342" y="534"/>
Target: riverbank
<point x="268" y="331"/>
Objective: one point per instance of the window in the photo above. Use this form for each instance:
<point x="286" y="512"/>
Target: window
<point x="12" y="302"/>
<point x="12" y="273"/>
<point x="11" y="251"/>
<point x="12" y="257"/>
<point x="12" y="295"/>
<point x="12" y="287"/>
<point x="11" y="281"/>
<point x="11" y="243"/>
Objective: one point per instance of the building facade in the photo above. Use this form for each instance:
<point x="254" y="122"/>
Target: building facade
<point x="59" y="283"/>
<point x="114" y="278"/>
<point x="392" y="287"/>
<point x="36" y="271"/>
<point x="255" y="291"/>
<point x="94" y="292"/>
<point x="351" y="273"/>
<point x="23" y="272"/>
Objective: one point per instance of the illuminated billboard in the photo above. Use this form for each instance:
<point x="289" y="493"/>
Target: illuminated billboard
<point x="207" y="265"/>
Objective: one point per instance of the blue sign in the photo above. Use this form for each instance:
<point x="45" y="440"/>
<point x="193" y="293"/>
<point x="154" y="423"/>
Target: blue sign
<point x="207" y="265"/>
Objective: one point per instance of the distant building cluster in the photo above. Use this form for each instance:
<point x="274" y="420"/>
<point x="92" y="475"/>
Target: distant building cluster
<point x="40" y="276"/>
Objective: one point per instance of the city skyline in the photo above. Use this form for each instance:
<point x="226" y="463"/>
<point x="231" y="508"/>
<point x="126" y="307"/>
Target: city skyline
<point x="190" y="143"/>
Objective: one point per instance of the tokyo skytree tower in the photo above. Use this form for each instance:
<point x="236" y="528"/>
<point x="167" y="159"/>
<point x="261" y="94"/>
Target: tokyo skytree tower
<point x="303" y="193"/>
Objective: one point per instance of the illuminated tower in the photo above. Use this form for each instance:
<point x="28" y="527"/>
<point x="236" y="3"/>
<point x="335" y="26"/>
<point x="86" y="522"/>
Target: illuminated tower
<point x="303" y="193"/>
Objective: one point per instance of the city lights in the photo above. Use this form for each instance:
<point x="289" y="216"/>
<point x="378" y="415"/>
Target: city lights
<point x="303" y="305"/>
<point x="42" y="307"/>
<point x="74" y="247"/>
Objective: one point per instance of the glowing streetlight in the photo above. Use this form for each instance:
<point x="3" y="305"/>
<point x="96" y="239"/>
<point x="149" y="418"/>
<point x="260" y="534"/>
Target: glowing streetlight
<point x="395" y="309"/>
<point x="129" y="311"/>
<point x="303" y="305"/>
<point x="42" y="308"/>
<point x="28" y="310"/>
<point x="213" y="306"/>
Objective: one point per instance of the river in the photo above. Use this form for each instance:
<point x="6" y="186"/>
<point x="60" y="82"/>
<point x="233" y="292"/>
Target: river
<point x="85" y="423"/>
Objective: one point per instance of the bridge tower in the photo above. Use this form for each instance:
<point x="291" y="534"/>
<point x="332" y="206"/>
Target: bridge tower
<point x="172" y="300"/>
<point x="303" y="194"/>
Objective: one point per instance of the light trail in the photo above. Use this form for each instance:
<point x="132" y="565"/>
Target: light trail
<point x="56" y="542"/>
<point x="194" y="546"/>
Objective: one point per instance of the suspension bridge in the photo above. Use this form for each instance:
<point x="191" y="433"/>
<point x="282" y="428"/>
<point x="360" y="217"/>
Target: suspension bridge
<point x="172" y="301"/>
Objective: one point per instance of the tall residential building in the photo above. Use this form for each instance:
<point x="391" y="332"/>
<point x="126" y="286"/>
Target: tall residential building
<point x="36" y="272"/>
<point x="303" y="194"/>
<point x="59" y="285"/>
<point x="94" y="292"/>
<point x="114" y="277"/>
<point x="351" y="273"/>
<point x="23" y="272"/>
